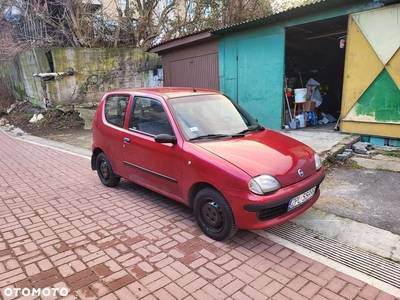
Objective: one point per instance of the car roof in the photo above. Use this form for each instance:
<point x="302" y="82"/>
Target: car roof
<point x="167" y="92"/>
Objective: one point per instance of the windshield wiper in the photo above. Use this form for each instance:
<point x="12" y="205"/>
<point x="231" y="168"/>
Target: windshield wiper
<point x="259" y="127"/>
<point x="209" y="136"/>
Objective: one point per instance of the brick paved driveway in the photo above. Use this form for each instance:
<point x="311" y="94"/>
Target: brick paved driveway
<point x="60" y="228"/>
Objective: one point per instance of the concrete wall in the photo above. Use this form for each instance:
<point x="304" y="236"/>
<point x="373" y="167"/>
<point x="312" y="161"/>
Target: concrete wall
<point x="93" y="72"/>
<point x="25" y="86"/>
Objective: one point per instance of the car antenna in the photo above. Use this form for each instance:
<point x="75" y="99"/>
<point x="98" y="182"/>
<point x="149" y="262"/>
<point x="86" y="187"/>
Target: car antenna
<point x="194" y="89"/>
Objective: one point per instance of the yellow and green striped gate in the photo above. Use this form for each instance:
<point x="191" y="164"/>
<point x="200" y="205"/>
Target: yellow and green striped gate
<point x="371" y="84"/>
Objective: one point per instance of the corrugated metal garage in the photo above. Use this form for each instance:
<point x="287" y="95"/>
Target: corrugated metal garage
<point x="190" y="61"/>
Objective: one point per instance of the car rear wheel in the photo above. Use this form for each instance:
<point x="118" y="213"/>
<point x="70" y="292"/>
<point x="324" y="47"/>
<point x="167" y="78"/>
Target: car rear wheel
<point x="213" y="214"/>
<point x="105" y="172"/>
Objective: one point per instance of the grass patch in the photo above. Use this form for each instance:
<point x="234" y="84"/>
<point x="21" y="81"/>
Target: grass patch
<point x="389" y="153"/>
<point x="354" y="165"/>
<point x="393" y="154"/>
<point x="383" y="169"/>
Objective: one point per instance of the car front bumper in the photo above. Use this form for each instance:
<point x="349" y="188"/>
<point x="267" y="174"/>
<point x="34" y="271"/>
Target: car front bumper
<point x="257" y="212"/>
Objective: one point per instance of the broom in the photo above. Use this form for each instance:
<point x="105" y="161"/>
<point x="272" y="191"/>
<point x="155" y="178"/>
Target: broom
<point x="292" y="123"/>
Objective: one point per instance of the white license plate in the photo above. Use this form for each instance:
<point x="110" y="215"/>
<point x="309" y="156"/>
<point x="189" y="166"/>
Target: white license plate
<point x="300" y="199"/>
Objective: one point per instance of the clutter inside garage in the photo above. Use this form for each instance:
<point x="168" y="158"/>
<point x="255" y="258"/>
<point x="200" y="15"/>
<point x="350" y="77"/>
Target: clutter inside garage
<point x="314" y="66"/>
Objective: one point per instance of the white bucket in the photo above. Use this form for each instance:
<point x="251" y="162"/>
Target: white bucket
<point x="300" y="95"/>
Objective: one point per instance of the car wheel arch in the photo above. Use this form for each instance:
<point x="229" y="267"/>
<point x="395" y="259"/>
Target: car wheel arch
<point x="197" y="187"/>
<point x="96" y="152"/>
<point x="213" y="214"/>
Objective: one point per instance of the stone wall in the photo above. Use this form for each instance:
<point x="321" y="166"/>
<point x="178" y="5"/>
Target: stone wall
<point x="81" y="76"/>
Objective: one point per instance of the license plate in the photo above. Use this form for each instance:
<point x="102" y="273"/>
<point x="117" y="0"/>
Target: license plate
<point x="300" y="199"/>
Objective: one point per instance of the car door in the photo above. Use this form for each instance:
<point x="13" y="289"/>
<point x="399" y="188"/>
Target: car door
<point x="152" y="164"/>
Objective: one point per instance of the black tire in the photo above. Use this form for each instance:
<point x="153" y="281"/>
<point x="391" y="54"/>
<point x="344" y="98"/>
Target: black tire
<point x="213" y="214"/>
<point x="105" y="171"/>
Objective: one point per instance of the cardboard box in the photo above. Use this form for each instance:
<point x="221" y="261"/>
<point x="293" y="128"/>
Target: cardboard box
<point x="309" y="106"/>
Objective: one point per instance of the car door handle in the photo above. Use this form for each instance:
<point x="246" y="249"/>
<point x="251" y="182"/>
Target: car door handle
<point x="127" y="140"/>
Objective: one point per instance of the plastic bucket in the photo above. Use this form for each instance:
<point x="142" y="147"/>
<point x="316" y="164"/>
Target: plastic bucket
<point x="300" y="95"/>
<point x="300" y="118"/>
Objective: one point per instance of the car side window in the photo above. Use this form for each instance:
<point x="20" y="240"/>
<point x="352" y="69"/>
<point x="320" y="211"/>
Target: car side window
<point x="148" y="115"/>
<point x="115" y="109"/>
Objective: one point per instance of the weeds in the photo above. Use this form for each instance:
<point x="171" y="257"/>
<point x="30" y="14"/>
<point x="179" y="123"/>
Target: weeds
<point x="354" y="165"/>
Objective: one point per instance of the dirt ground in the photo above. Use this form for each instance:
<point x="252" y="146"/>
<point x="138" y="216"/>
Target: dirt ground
<point x="66" y="127"/>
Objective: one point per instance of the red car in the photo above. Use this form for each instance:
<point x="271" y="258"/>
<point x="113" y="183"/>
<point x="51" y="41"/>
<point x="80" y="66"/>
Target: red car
<point x="200" y="148"/>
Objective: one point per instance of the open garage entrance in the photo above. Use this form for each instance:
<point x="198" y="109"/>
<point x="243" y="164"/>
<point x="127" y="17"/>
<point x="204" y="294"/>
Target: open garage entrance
<point x="316" y="51"/>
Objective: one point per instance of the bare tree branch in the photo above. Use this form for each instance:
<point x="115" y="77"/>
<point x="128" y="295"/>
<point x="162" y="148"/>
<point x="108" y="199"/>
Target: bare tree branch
<point x="78" y="23"/>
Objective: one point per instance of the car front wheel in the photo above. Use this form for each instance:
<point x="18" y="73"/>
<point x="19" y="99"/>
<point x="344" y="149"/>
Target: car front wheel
<point x="105" y="172"/>
<point x="213" y="214"/>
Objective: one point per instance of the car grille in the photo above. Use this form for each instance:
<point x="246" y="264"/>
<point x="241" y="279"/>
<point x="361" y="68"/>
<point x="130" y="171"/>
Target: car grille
<point x="273" y="212"/>
<point x="276" y="211"/>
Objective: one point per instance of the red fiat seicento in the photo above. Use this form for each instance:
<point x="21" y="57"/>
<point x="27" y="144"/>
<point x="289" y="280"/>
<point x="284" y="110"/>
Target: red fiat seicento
<point x="200" y="148"/>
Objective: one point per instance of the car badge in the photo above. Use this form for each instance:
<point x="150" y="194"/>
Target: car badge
<point x="301" y="173"/>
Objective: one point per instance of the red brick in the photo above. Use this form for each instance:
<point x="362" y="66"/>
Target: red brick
<point x="316" y="279"/>
<point x="65" y="270"/>
<point x="336" y="285"/>
<point x="309" y="290"/>
<point x="328" y="273"/>
<point x="351" y="279"/>
<point x="44" y="275"/>
<point x="350" y="291"/>
<point x="137" y="272"/>
<point x="297" y="283"/>
<point x="272" y="288"/>
<point x="138" y="289"/>
<point x="385" y="296"/>
<point x="124" y="293"/>
<point x="163" y="294"/>
<point x="316" y="268"/>
<point x="233" y="287"/>
<point x="176" y="291"/>
<point x="84" y="281"/>
<point x="171" y="273"/>
<point x="121" y="282"/>
<point x="102" y="270"/>
<point x="299" y="267"/>
<point x="330" y="295"/>
<point x="99" y="289"/>
<point x="193" y="285"/>
<point x="240" y="296"/>
<point x="13" y="279"/>
<point x="253" y="293"/>
<point x="369" y="292"/>
<point x="23" y="284"/>
<point x="86" y="293"/>
<point x="78" y="276"/>
<point x="287" y="293"/>
<point x="260" y="282"/>
<point x="214" y="292"/>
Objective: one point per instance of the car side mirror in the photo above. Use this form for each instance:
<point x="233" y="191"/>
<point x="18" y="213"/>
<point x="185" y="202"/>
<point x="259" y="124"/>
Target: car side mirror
<point x="165" y="138"/>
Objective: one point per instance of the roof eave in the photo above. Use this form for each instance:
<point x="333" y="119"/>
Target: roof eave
<point x="183" y="41"/>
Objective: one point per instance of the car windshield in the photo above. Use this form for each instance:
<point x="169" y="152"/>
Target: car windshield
<point x="210" y="116"/>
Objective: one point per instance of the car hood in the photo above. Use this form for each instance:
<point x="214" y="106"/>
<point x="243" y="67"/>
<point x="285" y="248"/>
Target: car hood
<point x="266" y="152"/>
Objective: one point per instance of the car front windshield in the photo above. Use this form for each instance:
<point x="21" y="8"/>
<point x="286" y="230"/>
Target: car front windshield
<point x="210" y="116"/>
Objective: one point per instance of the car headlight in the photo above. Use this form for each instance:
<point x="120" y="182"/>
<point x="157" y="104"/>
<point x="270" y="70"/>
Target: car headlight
<point x="318" y="161"/>
<point x="263" y="184"/>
